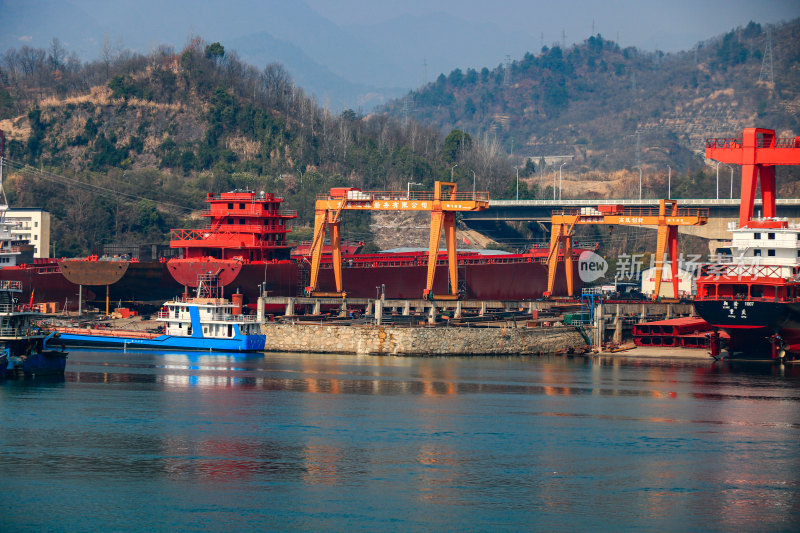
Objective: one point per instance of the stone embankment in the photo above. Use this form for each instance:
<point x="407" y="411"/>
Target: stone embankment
<point x="421" y="341"/>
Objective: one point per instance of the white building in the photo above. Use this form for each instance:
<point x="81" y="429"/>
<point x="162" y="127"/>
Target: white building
<point x="33" y="225"/>
<point x="686" y="284"/>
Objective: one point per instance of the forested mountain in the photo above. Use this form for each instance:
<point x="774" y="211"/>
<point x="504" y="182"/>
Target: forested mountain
<point x="613" y="109"/>
<point x="126" y="147"/>
<point x="134" y="142"/>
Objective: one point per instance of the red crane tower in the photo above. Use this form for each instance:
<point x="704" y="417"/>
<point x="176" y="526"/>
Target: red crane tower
<point x="759" y="151"/>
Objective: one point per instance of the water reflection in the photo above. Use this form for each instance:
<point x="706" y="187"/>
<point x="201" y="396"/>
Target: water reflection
<point x="472" y="443"/>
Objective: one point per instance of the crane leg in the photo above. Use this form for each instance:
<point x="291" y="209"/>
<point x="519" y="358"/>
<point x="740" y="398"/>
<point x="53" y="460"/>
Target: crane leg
<point x="320" y="221"/>
<point x="673" y="257"/>
<point x="767" y="174"/>
<point x="552" y="257"/>
<point x="568" y="265"/>
<point x="336" y="250"/>
<point x="452" y="259"/>
<point x="437" y="220"/>
<point x="661" y="249"/>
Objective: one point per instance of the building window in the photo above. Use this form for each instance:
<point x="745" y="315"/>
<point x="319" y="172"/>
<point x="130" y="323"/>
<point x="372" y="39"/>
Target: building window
<point x="771" y="236"/>
<point x="771" y="252"/>
<point x="757" y="252"/>
<point x="756" y="235"/>
<point x="36" y="224"/>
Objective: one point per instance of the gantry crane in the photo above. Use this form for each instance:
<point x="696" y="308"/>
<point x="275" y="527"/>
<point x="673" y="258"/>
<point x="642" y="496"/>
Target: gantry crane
<point x="565" y="220"/>
<point x="443" y="203"/>
<point x="759" y="151"/>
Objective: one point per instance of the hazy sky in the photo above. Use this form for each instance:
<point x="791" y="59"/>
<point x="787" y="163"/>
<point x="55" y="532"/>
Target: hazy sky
<point x="669" y="25"/>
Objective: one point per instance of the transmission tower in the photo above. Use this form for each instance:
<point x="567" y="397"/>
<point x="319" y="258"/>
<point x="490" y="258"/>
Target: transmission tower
<point x="767" y="69"/>
<point x="405" y="109"/>
<point x="507" y="72"/>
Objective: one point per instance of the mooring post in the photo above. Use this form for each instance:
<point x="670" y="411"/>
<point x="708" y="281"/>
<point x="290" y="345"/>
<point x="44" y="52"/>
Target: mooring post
<point x="289" y="307"/>
<point x="378" y="312"/>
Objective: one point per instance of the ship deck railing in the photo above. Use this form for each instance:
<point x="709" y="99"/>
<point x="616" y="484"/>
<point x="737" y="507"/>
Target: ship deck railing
<point x="779" y="142"/>
<point x="8" y="285"/>
<point x="20" y="332"/>
<point x="216" y="317"/>
<point x="738" y="270"/>
<point x="279" y="213"/>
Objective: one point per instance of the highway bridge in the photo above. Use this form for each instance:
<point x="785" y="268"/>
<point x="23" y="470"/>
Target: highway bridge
<point x="721" y="211"/>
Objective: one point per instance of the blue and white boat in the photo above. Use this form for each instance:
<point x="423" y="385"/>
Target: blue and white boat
<point x="207" y="322"/>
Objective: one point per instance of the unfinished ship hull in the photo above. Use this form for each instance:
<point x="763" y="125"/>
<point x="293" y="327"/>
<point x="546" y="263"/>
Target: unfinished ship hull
<point x="44" y="282"/>
<point x="128" y="282"/>
<point x="482" y="277"/>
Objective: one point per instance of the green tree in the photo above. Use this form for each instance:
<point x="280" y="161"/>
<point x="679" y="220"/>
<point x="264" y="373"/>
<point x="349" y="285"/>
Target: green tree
<point x="215" y="51"/>
<point x="456" y="143"/>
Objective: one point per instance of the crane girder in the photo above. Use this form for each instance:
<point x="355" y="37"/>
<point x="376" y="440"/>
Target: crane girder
<point x="667" y="218"/>
<point x="443" y="203"/>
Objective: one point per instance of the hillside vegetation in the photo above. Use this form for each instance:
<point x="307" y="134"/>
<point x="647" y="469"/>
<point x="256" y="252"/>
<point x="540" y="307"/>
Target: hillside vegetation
<point x="127" y="147"/>
<point x="164" y="129"/>
<point x="611" y="109"/>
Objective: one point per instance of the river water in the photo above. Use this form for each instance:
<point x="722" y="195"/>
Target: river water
<point x="155" y="442"/>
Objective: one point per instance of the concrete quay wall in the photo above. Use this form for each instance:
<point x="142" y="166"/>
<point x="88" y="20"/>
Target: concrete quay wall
<point x="420" y="341"/>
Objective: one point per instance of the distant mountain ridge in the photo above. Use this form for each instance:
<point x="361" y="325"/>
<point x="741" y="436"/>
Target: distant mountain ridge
<point x="611" y="108"/>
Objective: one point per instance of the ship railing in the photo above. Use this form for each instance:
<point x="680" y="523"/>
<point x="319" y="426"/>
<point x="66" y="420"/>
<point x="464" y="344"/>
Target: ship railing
<point x="223" y="231"/>
<point x="765" y="142"/>
<point x="251" y="211"/>
<point x="414" y="261"/>
<point x="16" y="332"/>
<point x="737" y="271"/>
<point x="246" y="197"/>
<point x="227" y="317"/>
<point x="10" y="285"/>
<point x="410" y="196"/>
<point x="250" y="228"/>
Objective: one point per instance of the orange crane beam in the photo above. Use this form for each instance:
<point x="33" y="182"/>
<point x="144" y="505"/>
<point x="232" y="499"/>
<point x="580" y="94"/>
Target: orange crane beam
<point x="443" y="203"/>
<point x="759" y="151"/>
<point x="564" y="222"/>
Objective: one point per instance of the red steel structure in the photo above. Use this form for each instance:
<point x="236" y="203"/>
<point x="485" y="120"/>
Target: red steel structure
<point x="759" y="151"/>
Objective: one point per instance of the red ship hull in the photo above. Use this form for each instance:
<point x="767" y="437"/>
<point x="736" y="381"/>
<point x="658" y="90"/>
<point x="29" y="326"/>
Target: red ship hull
<point x="481" y="277"/>
<point x="508" y="280"/>
<point x="44" y="282"/>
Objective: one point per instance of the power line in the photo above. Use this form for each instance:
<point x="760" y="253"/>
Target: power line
<point x="82" y="185"/>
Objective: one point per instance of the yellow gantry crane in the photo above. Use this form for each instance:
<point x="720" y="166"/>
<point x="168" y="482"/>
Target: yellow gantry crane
<point x="667" y="221"/>
<point x="443" y="203"/>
